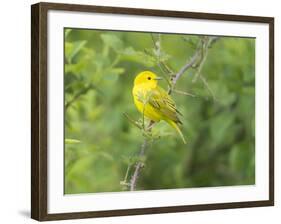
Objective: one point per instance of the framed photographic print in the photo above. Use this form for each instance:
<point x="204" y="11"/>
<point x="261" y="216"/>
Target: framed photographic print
<point x="139" y="111"/>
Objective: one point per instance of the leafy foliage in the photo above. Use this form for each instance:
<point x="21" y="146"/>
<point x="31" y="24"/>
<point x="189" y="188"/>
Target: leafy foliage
<point x="219" y="123"/>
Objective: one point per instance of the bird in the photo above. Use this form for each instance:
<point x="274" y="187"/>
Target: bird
<point x="154" y="102"/>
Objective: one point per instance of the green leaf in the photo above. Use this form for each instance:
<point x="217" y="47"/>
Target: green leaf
<point x="112" y="41"/>
<point x="117" y="71"/>
<point x="162" y="56"/>
<point x="130" y="54"/>
<point x="71" y="141"/>
<point x="75" y="68"/>
<point x="112" y="74"/>
<point x="67" y="32"/>
<point x="72" y="48"/>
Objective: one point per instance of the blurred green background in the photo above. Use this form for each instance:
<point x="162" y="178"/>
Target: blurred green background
<point x="219" y="122"/>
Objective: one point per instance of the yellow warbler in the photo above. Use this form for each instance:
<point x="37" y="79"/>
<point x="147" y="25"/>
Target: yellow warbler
<point x="154" y="102"/>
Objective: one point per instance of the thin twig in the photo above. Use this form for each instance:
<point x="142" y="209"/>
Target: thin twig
<point x="203" y="79"/>
<point x="77" y="95"/>
<point x="166" y="70"/>
<point x="138" y="167"/>
<point x="200" y="67"/>
<point x="184" y="93"/>
<point x="135" y="123"/>
<point x="124" y="182"/>
<point x="207" y="42"/>
<point x="189" y="64"/>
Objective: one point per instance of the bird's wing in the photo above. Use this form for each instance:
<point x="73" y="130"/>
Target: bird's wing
<point x="162" y="102"/>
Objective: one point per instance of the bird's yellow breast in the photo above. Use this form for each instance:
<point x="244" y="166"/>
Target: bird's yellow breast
<point x="140" y="95"/>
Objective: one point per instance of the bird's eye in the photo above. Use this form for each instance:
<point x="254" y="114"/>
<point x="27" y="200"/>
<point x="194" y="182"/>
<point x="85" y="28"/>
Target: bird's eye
<point x="149" y="78"/>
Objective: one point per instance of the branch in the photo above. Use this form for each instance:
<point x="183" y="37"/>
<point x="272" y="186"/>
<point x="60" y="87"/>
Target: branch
<point x="197" y="60"/>
<point x="183" y="93"/>
<point x="80" y="93"/>
<point x="166" y="69"/>
<point x="138" y="167"/>
<point x="140" y="164"/>
<point x="135" y="123"/>
<point x="203" y="79"/>
<point x="77" y="95"/>
<point x="188" y="65"/>
<point x="206" y="44"/>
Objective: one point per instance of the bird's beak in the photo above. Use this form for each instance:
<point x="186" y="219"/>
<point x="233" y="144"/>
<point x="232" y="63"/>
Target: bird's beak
<point x="158" y="78"/>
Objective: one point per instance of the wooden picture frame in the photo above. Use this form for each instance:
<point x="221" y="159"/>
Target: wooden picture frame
<point x="39" y="110"/>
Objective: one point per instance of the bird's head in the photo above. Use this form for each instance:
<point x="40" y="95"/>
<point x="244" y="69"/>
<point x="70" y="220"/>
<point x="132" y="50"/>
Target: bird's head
<point x="147" y="77"/>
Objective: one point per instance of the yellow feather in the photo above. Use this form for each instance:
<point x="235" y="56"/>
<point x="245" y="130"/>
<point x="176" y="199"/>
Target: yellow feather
<point x="175" y="126"/>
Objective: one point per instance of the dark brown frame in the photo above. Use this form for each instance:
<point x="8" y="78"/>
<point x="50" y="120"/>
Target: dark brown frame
<point x="39" y="107"/>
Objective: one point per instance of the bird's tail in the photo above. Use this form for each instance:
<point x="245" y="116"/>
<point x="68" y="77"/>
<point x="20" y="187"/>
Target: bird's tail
<point x="175" y="126"/>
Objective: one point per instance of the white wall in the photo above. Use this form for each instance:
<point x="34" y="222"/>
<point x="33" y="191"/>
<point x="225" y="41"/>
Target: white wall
<point x="15" y="112"/>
